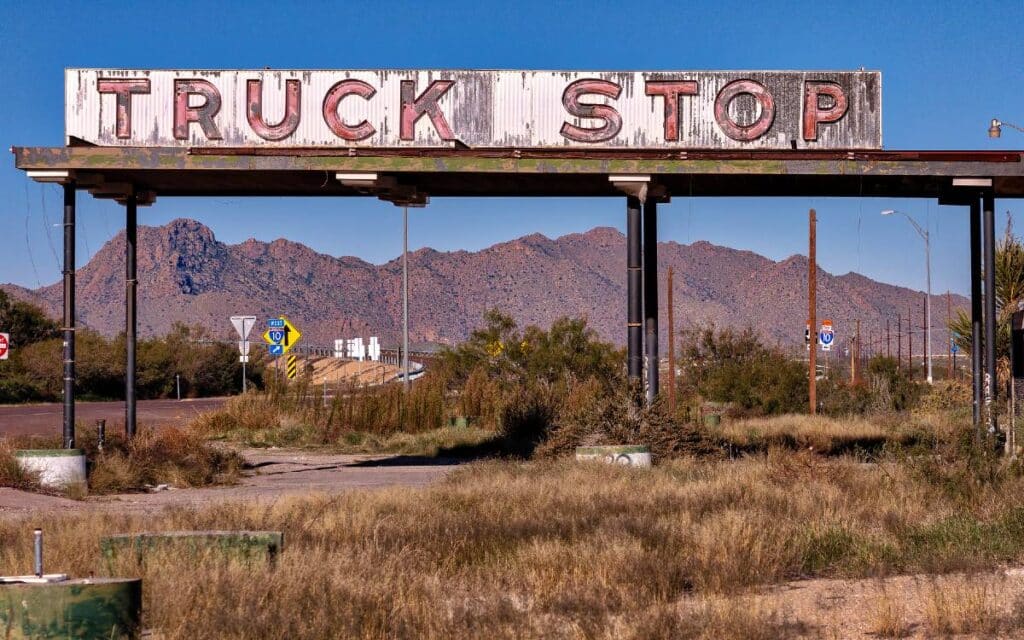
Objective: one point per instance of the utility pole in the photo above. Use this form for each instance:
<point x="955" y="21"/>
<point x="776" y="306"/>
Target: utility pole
<point x="856" y="361"/>
<point x="910" y="344"/>
<point x="888" y="340"/>
<point x="949" y="338"/>
<point x="899" y="342"/>
<point x="671" y="348"/>
<point x="812" y="319"/>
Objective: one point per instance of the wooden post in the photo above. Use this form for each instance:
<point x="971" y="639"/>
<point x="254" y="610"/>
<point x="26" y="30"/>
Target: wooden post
<point x="949" y="338"/>
<point x="671" y="348"/>
<point x="888" y="340"/>
<point x="812" y="318"/>
<point x="856" y="361"/>
<point x="910" y="344"/>
<point x="899" y="342"/>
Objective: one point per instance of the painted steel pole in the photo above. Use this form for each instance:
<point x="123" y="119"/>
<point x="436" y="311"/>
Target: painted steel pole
<point x="812" y="316"/>
<point x="131" y="319"/>
<point x="976" y="316"/>
<point x="68" y="435"/>
<point x="634" y="280"/>
<point x="671" y="347"/>
<point x="405" y="295"/>
<point x="989" y="240"/>
<point x="928" y="301"/>
<point x="650" y="260"/>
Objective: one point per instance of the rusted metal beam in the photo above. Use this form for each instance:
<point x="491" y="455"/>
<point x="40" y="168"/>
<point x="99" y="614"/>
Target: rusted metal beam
<point x="176" y="172"/>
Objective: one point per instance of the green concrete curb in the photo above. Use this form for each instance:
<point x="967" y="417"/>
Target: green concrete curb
<point x="96" y="608"/>
<point x="597" y="451"/>
<point x="48" y="453"/>
<point x="245" y="546"/>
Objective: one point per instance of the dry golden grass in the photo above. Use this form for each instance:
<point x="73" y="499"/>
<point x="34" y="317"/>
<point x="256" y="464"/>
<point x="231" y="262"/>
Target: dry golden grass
<point x="177" y="457"/>
<point x="11" y="473"/>
<point x="956" y="605"/>
<point x="553" y="550"/>
<point x="824" y="435"/>
<point x="889" y="617"/>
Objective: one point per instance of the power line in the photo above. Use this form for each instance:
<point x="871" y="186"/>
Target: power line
<point x="31" y="259"/>
<point x="46" y="224"/>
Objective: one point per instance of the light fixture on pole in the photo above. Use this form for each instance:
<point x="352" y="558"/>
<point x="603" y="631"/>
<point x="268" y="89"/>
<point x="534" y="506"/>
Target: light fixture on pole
<point x="995" y="129"/>
<point x="928" y="271"/>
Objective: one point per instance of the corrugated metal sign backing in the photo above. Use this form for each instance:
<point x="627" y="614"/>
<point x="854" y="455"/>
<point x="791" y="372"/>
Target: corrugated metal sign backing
<point x="479" y="109"/>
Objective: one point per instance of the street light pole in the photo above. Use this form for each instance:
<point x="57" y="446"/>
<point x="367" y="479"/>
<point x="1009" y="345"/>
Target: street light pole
<point x="405" y="295"/>
<point x="928" y="275"/>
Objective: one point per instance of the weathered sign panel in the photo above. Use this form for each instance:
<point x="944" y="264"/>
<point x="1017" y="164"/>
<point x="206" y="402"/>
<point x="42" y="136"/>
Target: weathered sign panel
<point x="478" y="109"/>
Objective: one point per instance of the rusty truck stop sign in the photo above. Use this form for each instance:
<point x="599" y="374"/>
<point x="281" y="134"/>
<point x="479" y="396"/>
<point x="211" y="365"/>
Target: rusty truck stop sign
<point x="406" y="135"/>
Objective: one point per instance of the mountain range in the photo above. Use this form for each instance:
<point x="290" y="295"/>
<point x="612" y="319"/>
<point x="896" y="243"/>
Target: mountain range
<point x="187" y="275"/>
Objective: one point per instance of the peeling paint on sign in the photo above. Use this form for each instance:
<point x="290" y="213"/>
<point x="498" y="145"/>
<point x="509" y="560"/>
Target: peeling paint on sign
<point x="477" y="109"/>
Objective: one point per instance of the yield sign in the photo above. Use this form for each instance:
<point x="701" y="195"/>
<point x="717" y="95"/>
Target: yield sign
<point x="243" y="325"/>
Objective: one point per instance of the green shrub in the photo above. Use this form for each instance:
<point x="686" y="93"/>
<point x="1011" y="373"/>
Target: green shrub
<point x="734" y="367"/>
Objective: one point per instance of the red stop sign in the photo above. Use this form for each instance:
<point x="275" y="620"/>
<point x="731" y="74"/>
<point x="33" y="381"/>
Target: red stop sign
<point x="4" y="345"/>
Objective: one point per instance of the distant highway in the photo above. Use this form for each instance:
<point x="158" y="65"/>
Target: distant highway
<point x="45" y="419"/>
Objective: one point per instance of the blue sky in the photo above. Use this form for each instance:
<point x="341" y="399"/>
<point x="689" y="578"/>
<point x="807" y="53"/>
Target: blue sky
<point x="948" y="67"/>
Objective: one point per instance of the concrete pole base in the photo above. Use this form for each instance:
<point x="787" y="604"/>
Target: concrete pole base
<point x="56" y="468"/>
<point x="625" y="455"/>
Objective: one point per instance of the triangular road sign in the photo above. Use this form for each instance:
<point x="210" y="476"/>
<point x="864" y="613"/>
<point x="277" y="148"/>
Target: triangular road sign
<point x="243" y="325"/>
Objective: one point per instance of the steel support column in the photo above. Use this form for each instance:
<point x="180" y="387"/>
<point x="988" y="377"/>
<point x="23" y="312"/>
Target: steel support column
<point x="988" y="228"/>
<point x="634" y="284"/>
<point x="131" y="319"/>
<point x="650" y="277"/>
<point x="976" y="357"/>
<point x="68" y="436"/>
<point x="976" y="305"/>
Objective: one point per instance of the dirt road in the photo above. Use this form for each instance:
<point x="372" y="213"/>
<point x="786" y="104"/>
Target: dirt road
<point x="275" y="474"/>
<point x="45" y="419"/>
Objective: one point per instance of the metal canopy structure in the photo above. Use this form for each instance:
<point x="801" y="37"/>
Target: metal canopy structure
<point x="405" y="136"/>
<point x="206" y="171"/>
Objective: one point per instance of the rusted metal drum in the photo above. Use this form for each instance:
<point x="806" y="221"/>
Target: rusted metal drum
<point x="87" y="608"/>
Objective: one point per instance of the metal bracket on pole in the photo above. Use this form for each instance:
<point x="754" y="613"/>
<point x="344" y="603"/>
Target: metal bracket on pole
<point x="640" y="187"/>
<point x="55" y="176"/>
<point x="385" y="187"/>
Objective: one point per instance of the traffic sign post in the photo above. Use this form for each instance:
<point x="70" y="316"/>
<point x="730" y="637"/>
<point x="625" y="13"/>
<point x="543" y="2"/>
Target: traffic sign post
<point x="5" y="345"/>
<point x="827" y="335"/>
<point x="243" y="325"/>
<point x="281" y="333"/>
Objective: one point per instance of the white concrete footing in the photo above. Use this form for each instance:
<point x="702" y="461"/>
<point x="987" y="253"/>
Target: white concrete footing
<point x="626" y="455"/>
<point x="56" y="468"/>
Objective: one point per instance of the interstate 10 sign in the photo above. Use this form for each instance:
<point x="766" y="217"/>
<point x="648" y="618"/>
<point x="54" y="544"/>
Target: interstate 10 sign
<point x="475" y="109"/>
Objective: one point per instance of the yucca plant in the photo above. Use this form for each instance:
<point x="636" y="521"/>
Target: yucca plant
<point x="1009" y="291"/>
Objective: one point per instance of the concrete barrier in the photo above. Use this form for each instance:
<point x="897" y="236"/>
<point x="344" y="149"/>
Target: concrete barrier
<point x="626" y="455"/>
<point x="94" y="608"/>
<point x="56" y="468"/>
